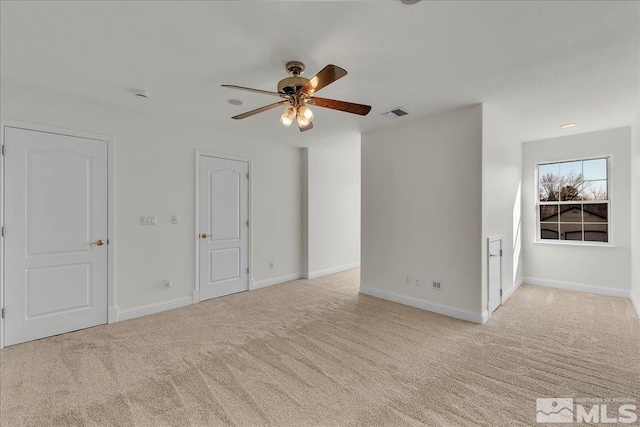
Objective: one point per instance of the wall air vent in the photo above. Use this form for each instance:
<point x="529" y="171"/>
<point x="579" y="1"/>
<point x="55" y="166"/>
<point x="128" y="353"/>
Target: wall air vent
<point x="396" y="112"/>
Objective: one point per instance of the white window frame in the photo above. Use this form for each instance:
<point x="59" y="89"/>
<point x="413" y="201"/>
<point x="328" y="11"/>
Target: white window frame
<point x="559" y="203"/>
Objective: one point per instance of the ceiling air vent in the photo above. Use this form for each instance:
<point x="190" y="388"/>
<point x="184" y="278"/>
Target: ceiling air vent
<point x="396" y="112"/>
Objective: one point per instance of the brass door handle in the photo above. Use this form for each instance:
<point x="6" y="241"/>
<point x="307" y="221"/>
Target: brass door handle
<point x="98" y="243"/>
<point x="205" y="235"/>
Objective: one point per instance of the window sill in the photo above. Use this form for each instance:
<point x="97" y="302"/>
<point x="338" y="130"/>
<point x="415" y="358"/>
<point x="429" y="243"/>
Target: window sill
<point x="574" y="243"/>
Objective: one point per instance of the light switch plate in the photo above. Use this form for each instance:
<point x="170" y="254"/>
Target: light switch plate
<point x="148" y="220"/>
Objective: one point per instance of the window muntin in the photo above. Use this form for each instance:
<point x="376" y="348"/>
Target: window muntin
<point x="573" y="200"/>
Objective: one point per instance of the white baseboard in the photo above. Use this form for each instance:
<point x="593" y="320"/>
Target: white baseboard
<point x="427" y="305"/>
<point x="320" y="273"/>
<point x="636" y="304"/>
<point x="512" y="290"/>
<point x="578" y="287"/>
<point x="132" y="313"/>
<point x="485" y="317"/>
<point x="273" y="281"/>
<point x="112" y="314"/>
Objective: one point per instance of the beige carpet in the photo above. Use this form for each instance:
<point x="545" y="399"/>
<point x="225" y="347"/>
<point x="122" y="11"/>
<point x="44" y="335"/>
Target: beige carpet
<point x="317" y="353"/>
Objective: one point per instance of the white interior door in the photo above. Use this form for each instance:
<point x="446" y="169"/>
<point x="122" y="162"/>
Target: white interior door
<point x="495" y="275"/>
<point x="55" y="207"/>
<point x="224" y="227"/>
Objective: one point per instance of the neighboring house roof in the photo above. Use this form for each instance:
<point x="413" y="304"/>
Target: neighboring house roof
<point x="554" y="217"/>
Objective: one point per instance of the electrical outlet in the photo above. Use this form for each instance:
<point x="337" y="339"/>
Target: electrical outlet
<point x="417" y="280"/>
<point x="168" y="283"/>
<point x="436" y="285"/>
<point x="271" y="265"/>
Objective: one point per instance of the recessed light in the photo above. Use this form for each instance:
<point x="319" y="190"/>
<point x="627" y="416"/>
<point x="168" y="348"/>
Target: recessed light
<point x="409" y="1"/>
<point x="567" y="125"/>
<point x="141" y="94"/>
<point x="233" y="101"/>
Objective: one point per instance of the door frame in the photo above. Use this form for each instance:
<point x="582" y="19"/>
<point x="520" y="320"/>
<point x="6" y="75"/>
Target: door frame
<point x="198" y="155"/>
<point x="490" y="240"/>
<point x="112" y="310"/>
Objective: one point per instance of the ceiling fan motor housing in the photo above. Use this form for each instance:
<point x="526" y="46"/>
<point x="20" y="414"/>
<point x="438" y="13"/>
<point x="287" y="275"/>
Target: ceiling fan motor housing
<point x="290" y="85"/>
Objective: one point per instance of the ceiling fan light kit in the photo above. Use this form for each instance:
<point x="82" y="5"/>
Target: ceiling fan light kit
<point x="305" y="116"/>
<point x="298" y="91"/>
<point x="288" y="116"/>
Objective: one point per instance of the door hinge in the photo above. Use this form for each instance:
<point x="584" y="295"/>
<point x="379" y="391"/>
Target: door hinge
<point x="247" y="223"/>
<point x="3" y="231"/>
<point x="3" y="313"/>
<point x="500" y="252"/>
<point x="3" y="149"/>
<point x="500" y="292"/>
<point x="247" y="270"/>
<point x="247" y="176"/>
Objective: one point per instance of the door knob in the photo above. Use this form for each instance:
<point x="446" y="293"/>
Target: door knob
<point x="98" y="243"/>
<point x="492" y="255"/>
<point x="204" y="235"/>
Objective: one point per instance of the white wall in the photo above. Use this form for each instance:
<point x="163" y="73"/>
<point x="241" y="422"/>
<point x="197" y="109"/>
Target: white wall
<point x="305" y="212"/>
<point x="635" y="213"/>
<point x="501" y="195"/>
<point x="155" y="176"/>
<point x="332" y="194"/>
<point x="605" y="267"/>
<point x="422" y="210"/>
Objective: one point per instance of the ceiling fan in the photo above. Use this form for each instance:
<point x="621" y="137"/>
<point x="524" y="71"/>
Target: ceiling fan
<point x="298" y="91"/>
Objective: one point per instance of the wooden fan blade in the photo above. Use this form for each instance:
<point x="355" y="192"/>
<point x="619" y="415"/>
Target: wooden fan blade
<point x="306" y="128"/>
<point x="259" y="110"/>
<point x="248" y="89"/>
<point x="348" y="107"/>
<point x="325" y="77"/>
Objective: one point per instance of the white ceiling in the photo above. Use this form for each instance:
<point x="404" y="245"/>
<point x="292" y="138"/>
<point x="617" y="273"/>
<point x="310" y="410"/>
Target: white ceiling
<point x="545" y="63"/>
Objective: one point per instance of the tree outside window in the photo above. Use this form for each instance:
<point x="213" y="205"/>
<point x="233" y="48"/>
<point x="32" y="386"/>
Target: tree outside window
<point x="574" y="200"/>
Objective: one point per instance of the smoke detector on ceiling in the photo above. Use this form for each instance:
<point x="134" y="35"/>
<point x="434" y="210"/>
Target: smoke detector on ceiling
<point x="395" y="113"/>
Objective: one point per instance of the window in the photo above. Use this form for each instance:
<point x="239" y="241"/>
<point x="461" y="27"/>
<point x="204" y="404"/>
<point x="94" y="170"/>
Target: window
<point x="573" y="200"/>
